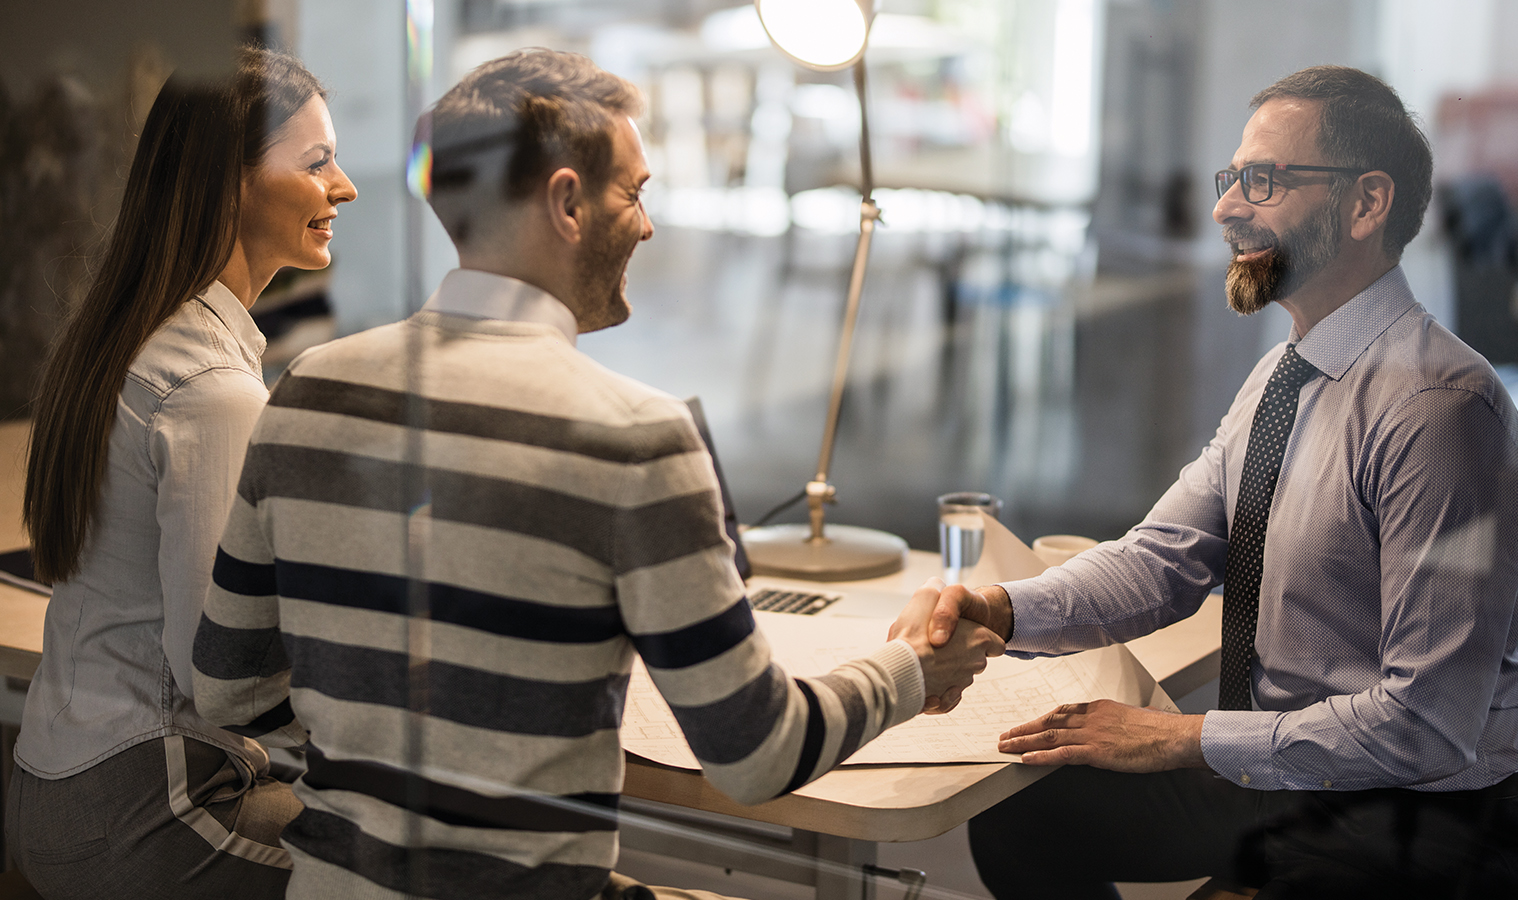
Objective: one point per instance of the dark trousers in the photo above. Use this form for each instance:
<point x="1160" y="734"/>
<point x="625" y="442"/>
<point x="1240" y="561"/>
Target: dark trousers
<point x="169" y="819"/>
<point x="1079" y="829"/>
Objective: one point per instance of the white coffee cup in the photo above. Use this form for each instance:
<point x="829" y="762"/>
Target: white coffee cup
<point x="1056" y="549"/>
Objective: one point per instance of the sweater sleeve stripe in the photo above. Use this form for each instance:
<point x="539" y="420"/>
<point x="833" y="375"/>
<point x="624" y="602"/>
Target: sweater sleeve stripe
<point x="593" y="439"/>
<point x="459" y="806"/>
<point x="242" y="672"/>
<point x="457" y="693"/>
<point x="663" y="530"/>
<point x="506" y="616"/>
<point x="238" y="577"/>
<point x="233" y="653"/>
<point x="816" y="733"/>
<point x="699" y="642"/>
<point x="276" y="718"/>
<point x="733" y="728"/>
<point x="854" y="709"/>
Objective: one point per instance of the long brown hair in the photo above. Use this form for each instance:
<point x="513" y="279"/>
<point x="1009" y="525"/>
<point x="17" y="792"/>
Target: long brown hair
<point x="175" y="233"/>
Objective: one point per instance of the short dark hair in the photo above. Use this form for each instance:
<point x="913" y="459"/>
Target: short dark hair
<point x="1363" y="125"/>
<point x="513" y="120"/>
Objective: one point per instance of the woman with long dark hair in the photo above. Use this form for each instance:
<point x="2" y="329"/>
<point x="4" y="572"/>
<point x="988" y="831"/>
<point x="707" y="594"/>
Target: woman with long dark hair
<point x="145" y="409"/>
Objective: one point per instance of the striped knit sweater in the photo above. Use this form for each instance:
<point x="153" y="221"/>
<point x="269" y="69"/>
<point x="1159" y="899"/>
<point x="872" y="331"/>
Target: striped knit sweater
<point x="450" y="537"/>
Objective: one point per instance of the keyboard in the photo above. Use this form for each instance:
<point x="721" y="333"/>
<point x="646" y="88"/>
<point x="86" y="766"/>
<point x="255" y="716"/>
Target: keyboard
<point x="802" y="603"/>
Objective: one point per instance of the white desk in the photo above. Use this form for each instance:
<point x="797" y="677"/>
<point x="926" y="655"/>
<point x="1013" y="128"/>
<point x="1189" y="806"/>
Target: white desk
<point x="838" y="818"/>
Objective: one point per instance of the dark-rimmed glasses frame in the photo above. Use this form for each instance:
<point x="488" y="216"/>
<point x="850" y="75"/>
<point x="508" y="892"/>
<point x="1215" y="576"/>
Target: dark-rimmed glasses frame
<point x="1257" y="177"/>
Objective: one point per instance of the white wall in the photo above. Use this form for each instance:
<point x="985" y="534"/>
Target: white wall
<point x="1055" y="86"/>
<point x="358" y="49"/>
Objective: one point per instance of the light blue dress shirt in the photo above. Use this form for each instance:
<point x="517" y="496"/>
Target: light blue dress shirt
<point x="116" y="647"/>
<point x="1387" y="645"/>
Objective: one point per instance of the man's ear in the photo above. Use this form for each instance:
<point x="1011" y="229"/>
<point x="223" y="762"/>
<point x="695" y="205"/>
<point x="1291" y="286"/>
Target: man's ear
<point x="566" y="204"/>
<point x="1370" y="202"/>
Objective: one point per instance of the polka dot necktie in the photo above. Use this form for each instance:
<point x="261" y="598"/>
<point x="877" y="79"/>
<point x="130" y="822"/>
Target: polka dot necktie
<point x="1273" y="419"/>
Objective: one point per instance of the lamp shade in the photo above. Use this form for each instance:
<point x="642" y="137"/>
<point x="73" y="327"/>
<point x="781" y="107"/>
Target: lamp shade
<point x="820" y="34"/>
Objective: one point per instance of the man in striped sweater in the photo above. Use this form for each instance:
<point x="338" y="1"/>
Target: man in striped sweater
<point x="453" y="533"/>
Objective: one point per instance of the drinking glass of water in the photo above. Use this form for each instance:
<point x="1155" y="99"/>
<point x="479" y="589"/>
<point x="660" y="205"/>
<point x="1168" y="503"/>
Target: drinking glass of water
<point x="962" y="531"/>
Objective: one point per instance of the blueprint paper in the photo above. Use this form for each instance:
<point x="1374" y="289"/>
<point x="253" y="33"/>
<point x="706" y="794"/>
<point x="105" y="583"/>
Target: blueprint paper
<point x="1004" y="558"/>
<point x="1009" y="692"/>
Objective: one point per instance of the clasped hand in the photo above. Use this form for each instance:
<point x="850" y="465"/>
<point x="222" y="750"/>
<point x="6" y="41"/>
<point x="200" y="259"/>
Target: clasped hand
<point x="1102" y="733"/>
<point x="950" y="662"/>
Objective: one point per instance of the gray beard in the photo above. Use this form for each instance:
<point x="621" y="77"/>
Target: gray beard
<point x="1293" y="259"/>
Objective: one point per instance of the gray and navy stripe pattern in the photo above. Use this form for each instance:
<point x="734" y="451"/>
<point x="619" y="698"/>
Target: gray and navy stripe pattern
<point x="439" y="577"/>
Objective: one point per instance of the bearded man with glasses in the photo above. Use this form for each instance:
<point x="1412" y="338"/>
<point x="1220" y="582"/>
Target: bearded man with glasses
<point x="1359" y="505"/>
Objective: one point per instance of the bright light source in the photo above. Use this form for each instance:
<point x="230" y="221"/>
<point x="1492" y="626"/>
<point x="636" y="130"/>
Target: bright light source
<point x="822" y="34"/>
<point x="1074" y="73"/>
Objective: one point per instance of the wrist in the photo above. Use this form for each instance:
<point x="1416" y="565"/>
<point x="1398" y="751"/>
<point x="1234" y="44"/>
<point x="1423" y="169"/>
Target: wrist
<point x="1001" y="619"/>
<point x="1189" y="743"/>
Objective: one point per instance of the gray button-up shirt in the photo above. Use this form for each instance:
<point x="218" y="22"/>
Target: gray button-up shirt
<point x="1387" y="645"/>
<point x="116" y="649"/>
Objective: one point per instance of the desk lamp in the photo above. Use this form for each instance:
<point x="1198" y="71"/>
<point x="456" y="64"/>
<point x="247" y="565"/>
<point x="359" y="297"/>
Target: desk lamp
<point x="828" y="35"/>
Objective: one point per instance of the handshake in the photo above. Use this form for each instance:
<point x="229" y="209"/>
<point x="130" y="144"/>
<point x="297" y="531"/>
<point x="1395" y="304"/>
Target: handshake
<point x="951" y="656"/>
<point x="1101" y="733"/>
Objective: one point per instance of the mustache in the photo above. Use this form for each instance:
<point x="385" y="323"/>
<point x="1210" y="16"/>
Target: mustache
<point x="1246" y="234"/>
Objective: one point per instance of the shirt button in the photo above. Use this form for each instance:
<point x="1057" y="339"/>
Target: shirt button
<point x="1328" y="782"/>
<point x="1244" y="778"/>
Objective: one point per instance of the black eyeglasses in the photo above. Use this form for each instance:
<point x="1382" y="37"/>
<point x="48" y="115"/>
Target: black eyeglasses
<point x="1258" y="181"/>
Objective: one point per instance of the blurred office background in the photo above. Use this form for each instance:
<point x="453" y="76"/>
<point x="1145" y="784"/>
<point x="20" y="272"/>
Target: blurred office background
<point x="1043" y="315"/>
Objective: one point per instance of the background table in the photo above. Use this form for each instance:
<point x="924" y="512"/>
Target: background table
<point x="21" y="611"/>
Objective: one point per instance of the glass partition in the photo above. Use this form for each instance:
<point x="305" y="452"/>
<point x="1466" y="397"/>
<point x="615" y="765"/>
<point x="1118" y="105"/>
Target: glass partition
<point x="1043" y="319"/>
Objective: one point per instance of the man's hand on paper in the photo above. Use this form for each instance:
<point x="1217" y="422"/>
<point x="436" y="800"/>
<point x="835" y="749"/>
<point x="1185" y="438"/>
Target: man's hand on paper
<point x="949" y="666"/>
<point x="1109" y="735"/>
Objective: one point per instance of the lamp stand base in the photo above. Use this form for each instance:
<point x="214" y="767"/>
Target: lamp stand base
<point x="847" y="553"/>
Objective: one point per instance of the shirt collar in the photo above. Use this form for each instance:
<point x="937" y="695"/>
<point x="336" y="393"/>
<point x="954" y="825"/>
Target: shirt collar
<point x="482" y="295"/>
<point x="1335" y="343"/>
<point x="226" y="307"/>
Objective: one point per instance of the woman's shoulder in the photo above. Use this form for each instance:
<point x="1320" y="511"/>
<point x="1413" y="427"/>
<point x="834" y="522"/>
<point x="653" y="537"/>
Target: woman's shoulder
<point x="194" y="345"/>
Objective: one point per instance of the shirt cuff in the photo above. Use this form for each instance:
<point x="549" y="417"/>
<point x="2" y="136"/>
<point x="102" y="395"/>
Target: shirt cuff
<point x="1239" y="745"/>
<point x="1038" y="617"/>
<point x="900" y="662"/>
